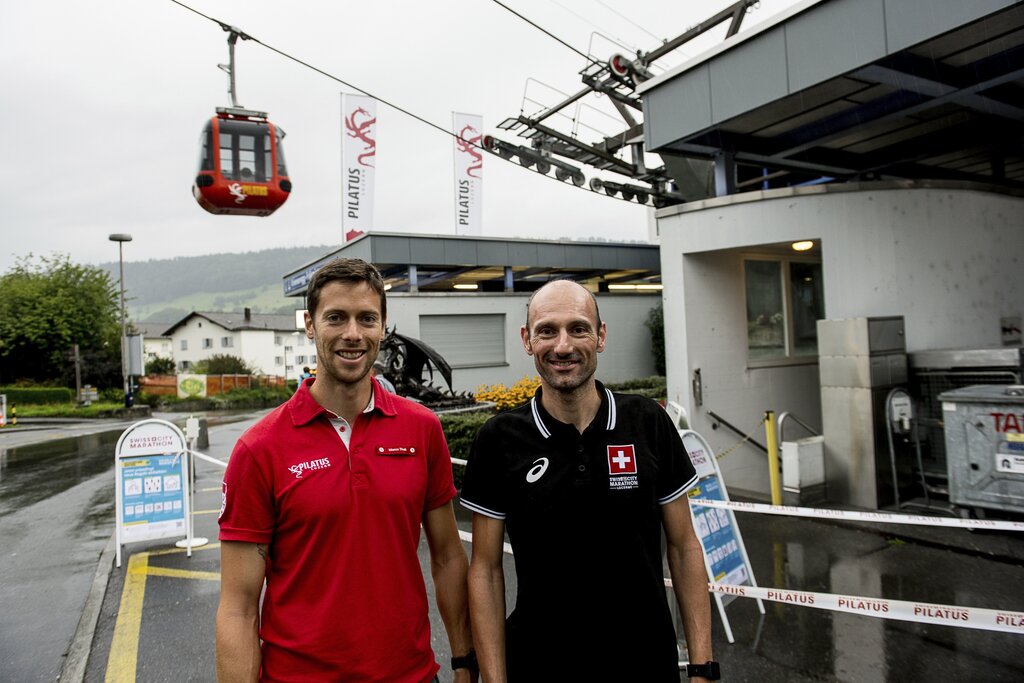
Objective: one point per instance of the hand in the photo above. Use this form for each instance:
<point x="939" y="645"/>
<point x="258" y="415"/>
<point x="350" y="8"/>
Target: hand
<point x="464" y="676"/>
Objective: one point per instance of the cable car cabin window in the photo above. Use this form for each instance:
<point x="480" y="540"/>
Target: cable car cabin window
<point x="239" y="141"/>
<point x="281" y="170"/>
<point x="205" y="148"/>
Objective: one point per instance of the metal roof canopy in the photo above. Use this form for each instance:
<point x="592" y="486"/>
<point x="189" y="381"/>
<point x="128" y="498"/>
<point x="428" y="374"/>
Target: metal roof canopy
<point x="853" y="90"/>
<point x="424" y="263"/>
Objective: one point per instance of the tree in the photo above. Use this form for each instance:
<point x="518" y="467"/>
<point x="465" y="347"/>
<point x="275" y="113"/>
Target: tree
<point x="49" y="304"/>
<point x="656" y="324"/>
<point x="220" y="364"/>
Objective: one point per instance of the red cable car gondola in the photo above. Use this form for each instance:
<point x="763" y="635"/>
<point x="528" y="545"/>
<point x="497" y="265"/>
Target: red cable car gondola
<point x="241" y="165"/>
<point x="241" y="161"/>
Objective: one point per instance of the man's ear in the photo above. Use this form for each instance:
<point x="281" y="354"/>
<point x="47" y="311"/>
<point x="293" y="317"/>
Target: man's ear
<point x="602" y="336"/>
<point x="308" y="320"/>
<point x="525" y="334"/>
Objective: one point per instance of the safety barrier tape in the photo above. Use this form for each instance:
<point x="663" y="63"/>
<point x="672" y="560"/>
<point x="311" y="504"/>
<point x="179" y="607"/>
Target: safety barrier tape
<point x="901" y="610"/>
<point x="880" y="517"/>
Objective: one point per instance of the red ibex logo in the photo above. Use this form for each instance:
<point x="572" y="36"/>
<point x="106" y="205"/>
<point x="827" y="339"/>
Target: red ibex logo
<point x="471" y="146"/>
<point x="361" y="131"/>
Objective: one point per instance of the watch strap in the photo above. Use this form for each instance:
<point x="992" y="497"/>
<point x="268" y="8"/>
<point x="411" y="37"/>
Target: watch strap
<point x="709" y="670"/>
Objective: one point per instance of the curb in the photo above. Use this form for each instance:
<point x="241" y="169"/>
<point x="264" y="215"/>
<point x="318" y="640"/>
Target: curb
<point x="81" y="644"/>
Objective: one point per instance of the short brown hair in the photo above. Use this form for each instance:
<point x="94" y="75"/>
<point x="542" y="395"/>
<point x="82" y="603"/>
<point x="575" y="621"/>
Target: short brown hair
<point x="350" y="270"/>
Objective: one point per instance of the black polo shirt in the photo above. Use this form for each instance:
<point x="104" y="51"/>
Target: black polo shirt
<point x="583" y="516"/>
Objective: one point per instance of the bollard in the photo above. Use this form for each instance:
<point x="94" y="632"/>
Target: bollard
<point x="773" y="457"/>
<point x="14" y="415"/>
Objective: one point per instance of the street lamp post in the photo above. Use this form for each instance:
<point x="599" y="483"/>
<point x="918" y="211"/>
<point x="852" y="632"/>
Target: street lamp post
<point x="121" y="238"/>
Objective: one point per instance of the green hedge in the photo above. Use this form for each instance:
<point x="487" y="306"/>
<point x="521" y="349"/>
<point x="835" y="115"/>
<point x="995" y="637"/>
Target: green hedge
<point x="459" y="430"/>
<point x="17" y="396"/>
<point x="654" y="387"/>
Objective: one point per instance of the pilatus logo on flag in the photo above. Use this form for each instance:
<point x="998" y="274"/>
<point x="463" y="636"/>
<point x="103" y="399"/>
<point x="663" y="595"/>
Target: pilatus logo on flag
<point x="621" y="460"/>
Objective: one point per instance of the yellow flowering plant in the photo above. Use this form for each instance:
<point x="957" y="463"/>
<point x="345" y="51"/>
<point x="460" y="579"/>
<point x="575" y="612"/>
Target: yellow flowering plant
<point x="506" y="398"/>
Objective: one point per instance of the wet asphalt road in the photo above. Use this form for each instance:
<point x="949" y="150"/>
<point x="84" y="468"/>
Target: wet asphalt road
<point x="56" y="515"/>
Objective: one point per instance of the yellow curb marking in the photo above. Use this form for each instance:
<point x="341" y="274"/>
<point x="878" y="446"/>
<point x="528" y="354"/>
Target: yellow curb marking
<point x="124" y="648"/>
<point x="206" y="512"/>
<point x="122" y="662"/>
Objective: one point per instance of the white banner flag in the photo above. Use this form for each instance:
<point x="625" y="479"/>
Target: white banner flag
<point x="358" y="157"/>
<point x="469" y="162"/>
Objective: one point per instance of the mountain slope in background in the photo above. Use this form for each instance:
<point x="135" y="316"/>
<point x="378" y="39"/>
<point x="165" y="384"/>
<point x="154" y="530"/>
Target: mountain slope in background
<point x="165" y="290"/>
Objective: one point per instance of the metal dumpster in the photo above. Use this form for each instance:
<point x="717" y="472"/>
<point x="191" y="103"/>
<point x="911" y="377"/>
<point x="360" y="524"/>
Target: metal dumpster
<point x="984" y="427"/>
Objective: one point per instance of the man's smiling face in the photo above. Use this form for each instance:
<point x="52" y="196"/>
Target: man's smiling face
<point x="347" y="328"/>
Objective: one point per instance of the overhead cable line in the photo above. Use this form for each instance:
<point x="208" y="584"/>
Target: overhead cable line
<point x="544" y="31"/>
<point x="245" y="36"/>
<point x="625" y="18"/>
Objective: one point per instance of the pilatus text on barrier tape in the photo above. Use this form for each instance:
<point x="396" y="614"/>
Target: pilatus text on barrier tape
<point x="880" y="517"/>
<point x="901" y="610"/>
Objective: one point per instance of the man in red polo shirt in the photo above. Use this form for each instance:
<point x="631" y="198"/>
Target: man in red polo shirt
<point x="324" y="499"/>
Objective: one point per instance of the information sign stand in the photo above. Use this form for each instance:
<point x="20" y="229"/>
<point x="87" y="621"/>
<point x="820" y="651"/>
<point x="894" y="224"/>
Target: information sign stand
<point x="725" y="556"/>
<point x="152" y="484"/>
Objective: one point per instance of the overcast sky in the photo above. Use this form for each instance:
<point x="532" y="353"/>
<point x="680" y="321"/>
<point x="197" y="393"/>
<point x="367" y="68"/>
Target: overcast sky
<point x="102" y="105"/>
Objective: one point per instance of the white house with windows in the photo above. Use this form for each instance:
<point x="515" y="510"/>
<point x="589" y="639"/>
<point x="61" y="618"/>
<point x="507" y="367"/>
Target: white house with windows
<point x="155" y="344"/>
<point x="268" y="342"/>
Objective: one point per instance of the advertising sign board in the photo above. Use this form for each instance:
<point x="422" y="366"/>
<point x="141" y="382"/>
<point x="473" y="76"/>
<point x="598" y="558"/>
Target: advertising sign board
<point x="151" y="479"/>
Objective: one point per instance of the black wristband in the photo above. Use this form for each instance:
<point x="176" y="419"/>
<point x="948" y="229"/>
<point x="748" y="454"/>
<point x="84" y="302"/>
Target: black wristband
<point x="466" y="661"/>
<point x="709" y="670"/>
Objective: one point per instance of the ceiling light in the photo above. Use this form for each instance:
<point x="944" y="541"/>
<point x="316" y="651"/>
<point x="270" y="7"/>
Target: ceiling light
<point x="465" y="285"/>
<point x="803" y="245"/>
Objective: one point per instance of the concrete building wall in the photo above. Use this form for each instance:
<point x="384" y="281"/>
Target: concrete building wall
<point x="627" y="355"/>
<point x="948" y="260"/>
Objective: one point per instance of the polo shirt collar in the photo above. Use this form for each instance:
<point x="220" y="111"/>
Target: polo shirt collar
<point x="607" y="414"/>
<point x="304" y="408"/>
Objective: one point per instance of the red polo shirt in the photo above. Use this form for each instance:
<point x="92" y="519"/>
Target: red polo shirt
<point x="345" y="597"/>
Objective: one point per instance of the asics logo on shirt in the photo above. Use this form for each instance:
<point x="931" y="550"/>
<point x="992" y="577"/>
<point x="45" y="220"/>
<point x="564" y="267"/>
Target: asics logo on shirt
<point x="309" y="465"/>
<point x="540" y="466"/>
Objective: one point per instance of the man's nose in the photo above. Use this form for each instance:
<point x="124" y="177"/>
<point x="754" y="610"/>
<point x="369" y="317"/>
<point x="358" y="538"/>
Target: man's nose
<point x="351" y="329"/>
<point x="562" y="345"/>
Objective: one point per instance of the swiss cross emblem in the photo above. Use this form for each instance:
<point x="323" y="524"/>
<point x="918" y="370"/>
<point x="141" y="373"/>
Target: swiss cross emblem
<point x="621" y="460"/>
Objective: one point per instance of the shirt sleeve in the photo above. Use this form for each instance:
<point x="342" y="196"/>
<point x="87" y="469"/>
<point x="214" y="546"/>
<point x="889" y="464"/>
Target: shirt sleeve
<point x="440" y="484"/>
<point x="676" y="472"/>
<point x="482" y="489"/>
<point x="247" y="503"/>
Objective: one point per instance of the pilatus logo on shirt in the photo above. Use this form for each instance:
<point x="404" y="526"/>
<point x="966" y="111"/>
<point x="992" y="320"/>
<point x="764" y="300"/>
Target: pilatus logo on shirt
<point x="622" y="467"/>
<point x="540" y="466"/>
<point x="309" y="466"/>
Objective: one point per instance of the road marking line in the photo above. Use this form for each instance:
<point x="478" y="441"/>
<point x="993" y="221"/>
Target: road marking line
<point x="210" y="489"/>
<point x="124" y="648"/>
<point x="206" y="512"/>
<point x="183" y="573"/>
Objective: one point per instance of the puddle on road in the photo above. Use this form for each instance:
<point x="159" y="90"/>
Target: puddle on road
<point x="29" y="474"/>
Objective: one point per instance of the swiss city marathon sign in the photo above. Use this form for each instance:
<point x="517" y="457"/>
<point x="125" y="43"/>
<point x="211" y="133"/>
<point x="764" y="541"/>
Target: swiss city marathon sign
<point x="151" y="479"/>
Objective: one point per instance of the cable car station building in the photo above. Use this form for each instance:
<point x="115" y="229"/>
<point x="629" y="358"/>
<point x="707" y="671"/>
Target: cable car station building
<point x="885" y="135"/>
<point x="466" y="297"/>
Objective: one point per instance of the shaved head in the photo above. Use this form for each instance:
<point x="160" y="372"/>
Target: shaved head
<point x="564" y="286"/>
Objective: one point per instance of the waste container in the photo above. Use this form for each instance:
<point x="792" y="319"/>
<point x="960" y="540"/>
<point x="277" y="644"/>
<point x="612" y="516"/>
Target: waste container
<point x="984" y="427"/>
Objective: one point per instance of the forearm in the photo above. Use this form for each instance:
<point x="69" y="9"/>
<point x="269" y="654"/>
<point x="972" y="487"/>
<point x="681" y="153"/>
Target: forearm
<point x="487" y="602"/>
<point x="449" y="575"/>
<point x="238" y="647"/>
<point x="689" y="582"/>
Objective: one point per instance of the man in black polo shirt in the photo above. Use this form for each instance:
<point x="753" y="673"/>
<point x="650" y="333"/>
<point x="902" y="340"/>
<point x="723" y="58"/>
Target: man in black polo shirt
<point x="585" y="480"/>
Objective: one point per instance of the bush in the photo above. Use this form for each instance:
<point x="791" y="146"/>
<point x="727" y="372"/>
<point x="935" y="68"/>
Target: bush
<point x="37" y="395"/>
<point x="656" y="324"/>
<point x="160" y="366"/>
<point x="459" y="430"/>
<point x="507" y="398"/>
<point x="221" y="364"/>
<point x="653" y="387"/>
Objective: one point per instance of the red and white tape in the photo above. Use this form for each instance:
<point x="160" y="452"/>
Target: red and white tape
<point x="880" y="517"/>
<point x="901" y="610"/>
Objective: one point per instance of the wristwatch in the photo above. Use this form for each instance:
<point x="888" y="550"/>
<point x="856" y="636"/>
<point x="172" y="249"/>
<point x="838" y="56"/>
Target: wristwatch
<point x="708" y="670"/>
<point x="466" y="661"/>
